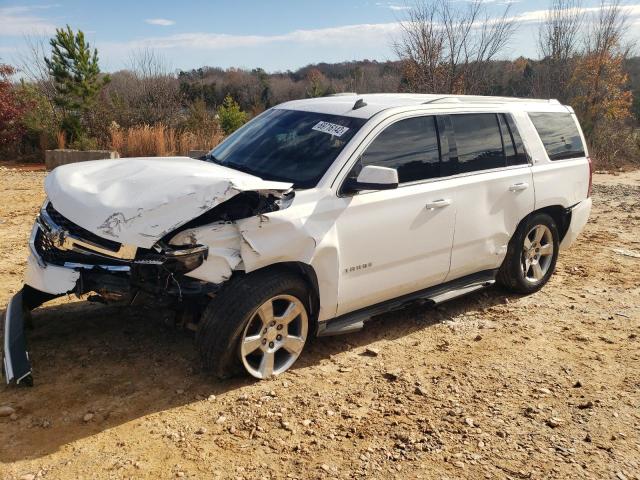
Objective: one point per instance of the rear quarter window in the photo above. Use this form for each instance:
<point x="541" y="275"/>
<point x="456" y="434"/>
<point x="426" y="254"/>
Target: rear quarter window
<point x="559" y="135"/>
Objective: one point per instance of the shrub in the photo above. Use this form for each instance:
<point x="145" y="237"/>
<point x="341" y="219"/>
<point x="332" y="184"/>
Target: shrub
<point x="83" y="142"/>
<point x="230" y="116"/>
<point x="13" y="108"/>
<point x="614" y="144"/>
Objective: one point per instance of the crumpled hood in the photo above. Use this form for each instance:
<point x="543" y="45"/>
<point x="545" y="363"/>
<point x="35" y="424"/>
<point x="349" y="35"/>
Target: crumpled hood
<point x="138" y="201"/>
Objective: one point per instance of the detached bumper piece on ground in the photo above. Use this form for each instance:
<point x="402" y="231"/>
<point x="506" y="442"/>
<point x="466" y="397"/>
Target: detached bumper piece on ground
<point x="16" y="363"/>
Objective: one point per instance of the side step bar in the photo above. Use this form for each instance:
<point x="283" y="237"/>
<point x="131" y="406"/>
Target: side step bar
<point x="354" y="321"/>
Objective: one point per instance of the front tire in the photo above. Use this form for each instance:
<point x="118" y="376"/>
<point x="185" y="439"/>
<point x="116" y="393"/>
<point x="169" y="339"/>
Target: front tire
<point x="258" y="324"/>
<point x="531" y="255"/>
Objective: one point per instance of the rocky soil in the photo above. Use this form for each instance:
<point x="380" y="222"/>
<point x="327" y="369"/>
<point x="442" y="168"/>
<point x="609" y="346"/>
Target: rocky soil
<point x="489" y="386"/>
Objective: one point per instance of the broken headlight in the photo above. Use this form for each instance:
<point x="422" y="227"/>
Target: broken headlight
<point x="175" y="259"/>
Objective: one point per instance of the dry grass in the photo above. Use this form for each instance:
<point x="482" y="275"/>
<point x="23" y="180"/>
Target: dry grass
<point x="61" y="139"/>
<point x="160" y="140"/>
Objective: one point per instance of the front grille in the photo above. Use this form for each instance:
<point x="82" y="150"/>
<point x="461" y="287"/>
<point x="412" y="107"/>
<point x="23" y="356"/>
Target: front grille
<point x="50" y="254"/>
<point x="78" y="231"/>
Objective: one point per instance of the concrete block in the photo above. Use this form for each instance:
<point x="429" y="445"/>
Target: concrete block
<point x="55" y="158"/>
<point x="197" y="153"/>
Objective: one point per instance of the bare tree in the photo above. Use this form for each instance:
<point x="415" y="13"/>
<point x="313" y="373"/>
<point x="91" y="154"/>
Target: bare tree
<point x="559" y="34"/>
<point x="148" y="93"/>
<point x="447" y="48"/>
<point x="32" y="65"/>
<point x="148" y="63"/>
<point x="600" y="80"/>
<point x="558" y="45"/>
<point x="607" y="30"/>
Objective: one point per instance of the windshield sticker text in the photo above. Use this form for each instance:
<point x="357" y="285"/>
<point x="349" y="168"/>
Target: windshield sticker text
<point x="330" y="128"/>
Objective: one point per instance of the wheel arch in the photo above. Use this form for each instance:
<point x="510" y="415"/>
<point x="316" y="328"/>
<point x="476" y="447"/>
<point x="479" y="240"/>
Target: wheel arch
<point x="307" y="273"/>
<point x="511" y="275"/>
<point x="561" y="216"/>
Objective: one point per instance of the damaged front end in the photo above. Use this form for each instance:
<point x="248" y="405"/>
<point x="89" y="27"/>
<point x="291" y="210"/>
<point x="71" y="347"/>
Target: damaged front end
<point x="66" y="258"/>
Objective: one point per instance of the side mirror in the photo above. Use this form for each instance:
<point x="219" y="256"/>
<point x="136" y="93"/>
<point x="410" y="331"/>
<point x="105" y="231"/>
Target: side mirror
<point x="373" y="178"/>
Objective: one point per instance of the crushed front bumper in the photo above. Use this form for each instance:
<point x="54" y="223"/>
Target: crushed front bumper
<point x="60" y="263"/>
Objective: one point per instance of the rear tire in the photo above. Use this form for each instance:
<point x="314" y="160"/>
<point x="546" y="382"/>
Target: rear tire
<point x="258" y="324"/>
<point x="531" y="255"/>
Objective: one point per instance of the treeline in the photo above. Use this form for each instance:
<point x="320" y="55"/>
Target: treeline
<point x="445" y="47"/>
<point x="256" y="90"/>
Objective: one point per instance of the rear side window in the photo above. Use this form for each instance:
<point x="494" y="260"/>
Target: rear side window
<point x="478" y="141"/>
<point x="410" y="146"/>
<point x="559" y="134"/>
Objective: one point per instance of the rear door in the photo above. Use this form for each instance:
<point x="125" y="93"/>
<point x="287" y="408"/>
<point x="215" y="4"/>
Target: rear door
<point x="394" y="242"/>
<point x="494" y="189"/>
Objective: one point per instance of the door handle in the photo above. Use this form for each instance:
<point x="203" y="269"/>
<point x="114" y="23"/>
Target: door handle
<point x="517" y="187"/>
<point x="443" y="202"/>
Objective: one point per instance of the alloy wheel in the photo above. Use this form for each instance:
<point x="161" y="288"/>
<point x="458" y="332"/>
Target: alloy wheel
<point x="537" y="253"/>
<point x="274" y="336"/>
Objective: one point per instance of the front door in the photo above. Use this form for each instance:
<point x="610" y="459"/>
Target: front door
<point x="395" y="242"/>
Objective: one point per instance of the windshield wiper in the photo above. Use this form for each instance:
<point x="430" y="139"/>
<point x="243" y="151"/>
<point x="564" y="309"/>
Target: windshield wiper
<point x="210" y="157"/>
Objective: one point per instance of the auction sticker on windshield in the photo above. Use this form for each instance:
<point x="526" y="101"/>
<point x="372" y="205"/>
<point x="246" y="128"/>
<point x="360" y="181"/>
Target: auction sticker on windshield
<point x="330" y="128"/>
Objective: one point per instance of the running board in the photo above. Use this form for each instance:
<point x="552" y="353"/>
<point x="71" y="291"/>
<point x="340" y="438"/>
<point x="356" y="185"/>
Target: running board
<point x="354" y="321"/>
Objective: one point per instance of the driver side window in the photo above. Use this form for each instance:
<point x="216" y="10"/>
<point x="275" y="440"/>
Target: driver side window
<point x="410" y="146"/>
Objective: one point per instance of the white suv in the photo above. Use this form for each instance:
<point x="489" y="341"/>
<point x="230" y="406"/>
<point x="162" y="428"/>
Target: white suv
<point x="313" y="217"/>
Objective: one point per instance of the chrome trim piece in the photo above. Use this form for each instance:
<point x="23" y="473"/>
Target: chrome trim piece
<point x="8" y="367"/>
<point x="185" y="251"/>
<point x="111" y="268"/>
<point x="18" y="380"/>
<point x="440" y="179"/>
<point x="63" y="240"/>
<point x="32" y="245"/>
<point x="72" y="265"/>
<point x="459" y="292"/>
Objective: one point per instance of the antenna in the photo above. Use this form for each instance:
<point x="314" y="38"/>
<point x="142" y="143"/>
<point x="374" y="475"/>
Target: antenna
<point x="359" y="104"/>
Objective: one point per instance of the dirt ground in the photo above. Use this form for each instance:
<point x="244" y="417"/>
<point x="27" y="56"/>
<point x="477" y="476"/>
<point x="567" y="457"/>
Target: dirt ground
<point x="489" y="386"/>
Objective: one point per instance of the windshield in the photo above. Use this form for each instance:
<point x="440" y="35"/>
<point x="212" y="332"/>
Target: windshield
<point x="287" y="145"/>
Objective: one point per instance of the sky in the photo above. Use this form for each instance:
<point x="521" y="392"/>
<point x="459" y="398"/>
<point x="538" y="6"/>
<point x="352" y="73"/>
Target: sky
<point x="275" y="35"/>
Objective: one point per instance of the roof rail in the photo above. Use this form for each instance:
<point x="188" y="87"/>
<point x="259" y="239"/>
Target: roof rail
<point x="488" y="99"/>
<point x="343" y="94"/>
<point x="442" y="98"/>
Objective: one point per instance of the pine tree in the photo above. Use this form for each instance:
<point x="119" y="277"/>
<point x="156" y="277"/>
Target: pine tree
<point x="76" y="74"/>
<point x="230" y="116"/>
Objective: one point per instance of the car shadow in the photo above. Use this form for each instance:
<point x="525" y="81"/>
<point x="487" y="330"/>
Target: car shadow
<point x="116" y="364"/>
